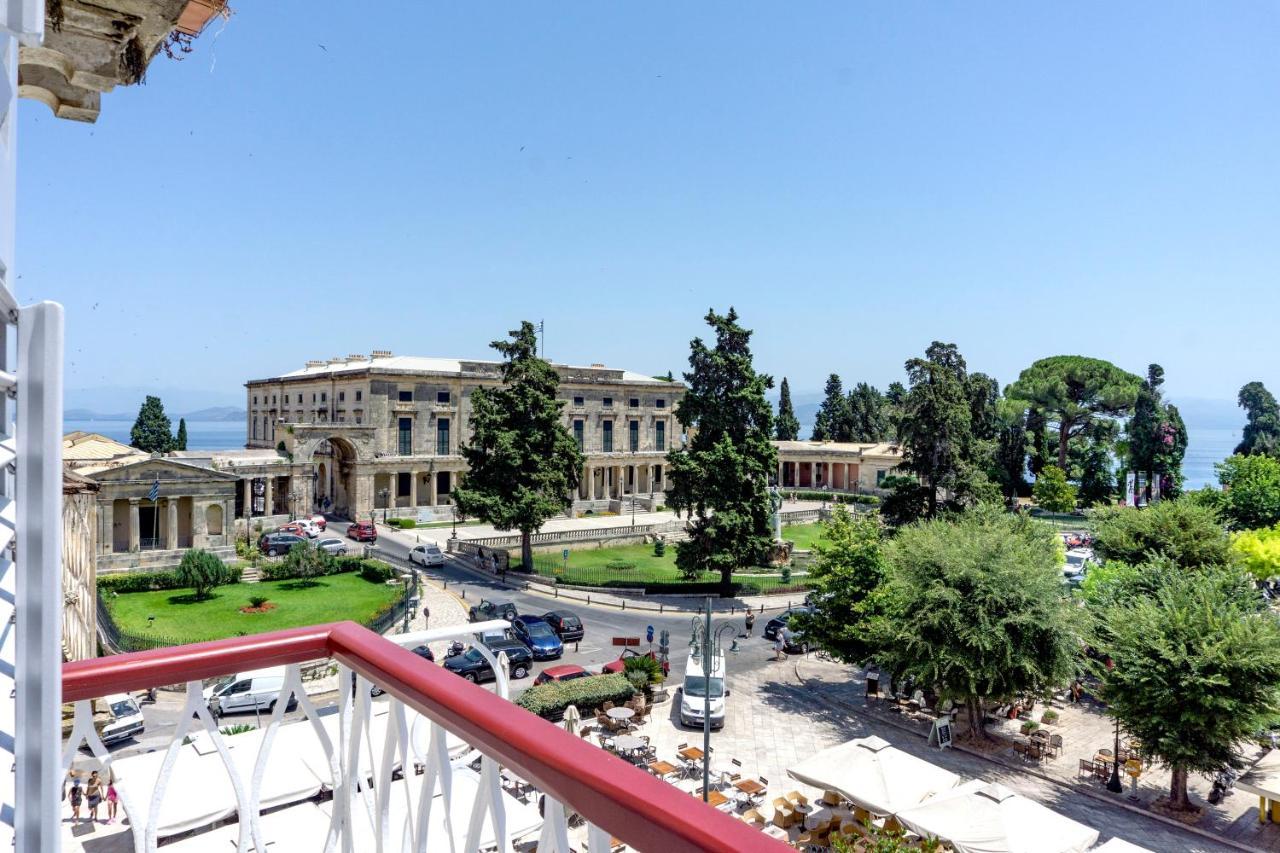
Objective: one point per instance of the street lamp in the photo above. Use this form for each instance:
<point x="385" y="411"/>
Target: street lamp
<point x="1113" y="784"/>
<point x="708" y="642"/>
<point x="385" y="494"/>
<point x="409" y="576"/>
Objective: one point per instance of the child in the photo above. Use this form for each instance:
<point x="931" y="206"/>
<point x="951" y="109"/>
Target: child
<point x="113" y="800"/>
<point x="77" y="794"/>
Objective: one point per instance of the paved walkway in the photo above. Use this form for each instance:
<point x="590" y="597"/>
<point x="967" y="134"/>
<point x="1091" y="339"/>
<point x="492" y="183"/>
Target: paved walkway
<point x="775" y="720"/>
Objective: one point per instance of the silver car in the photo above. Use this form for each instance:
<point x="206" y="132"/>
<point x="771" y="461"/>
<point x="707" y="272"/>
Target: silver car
<point x="427" y="555"/>
<point x="333" y="545"/>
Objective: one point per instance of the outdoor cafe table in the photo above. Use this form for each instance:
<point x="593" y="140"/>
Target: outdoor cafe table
<point x="715" y="798"/>
<point x="749" y="786"/>
<point x="627" y="743"/>
<point x="663" y="768"/>
<point x="620" y="714"/>
<point x="777" y="832"/>
<point x="818" y="817"/>
<point x="1104" y="756"/>
<point x="691" y="753"/>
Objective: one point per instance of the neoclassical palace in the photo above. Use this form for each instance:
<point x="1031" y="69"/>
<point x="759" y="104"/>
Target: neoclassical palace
<point x="383" y="432"/>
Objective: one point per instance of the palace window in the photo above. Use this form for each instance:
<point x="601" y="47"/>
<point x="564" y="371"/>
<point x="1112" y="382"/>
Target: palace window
<point x="324" y="396"/>
<point x="660" y="435"/>
<point x="634" y="402"/>
<point x="660" y="403"/>
<point x="633" y="435"/>
<point x="579" y="401"/>
<point x="299" y="398"/>
<point x="406" y="437"/>
<point x="577" y="432"/>
<point x="607" y="402"/>
<point x="606" y="437"/>
<point x="404" y="482"/>
<point x="442" y="396"/>
<point x="342" y="396"/>
<point x="406" y="396"/>
<point x="359" y="395"/>
<point x="442" y="436"/>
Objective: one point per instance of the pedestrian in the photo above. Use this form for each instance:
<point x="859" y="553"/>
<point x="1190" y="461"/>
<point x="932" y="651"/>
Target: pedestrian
<point x="77" y="795"/>
<point x="780" y="647"/>
<point x="750" y="621"/>
<point x="1076" y="689"/>
<point x="426" y="617"/>
<point x="93" y="795"/>
<point x="113" y="800"/>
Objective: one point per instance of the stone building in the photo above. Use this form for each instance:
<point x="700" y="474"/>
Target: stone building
<point x="79" y="567"/>
<point x="840" y="466"/>
<point x="383" y="432"/>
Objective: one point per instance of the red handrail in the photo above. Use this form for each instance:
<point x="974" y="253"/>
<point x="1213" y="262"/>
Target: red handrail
<point x="645" y="812"/>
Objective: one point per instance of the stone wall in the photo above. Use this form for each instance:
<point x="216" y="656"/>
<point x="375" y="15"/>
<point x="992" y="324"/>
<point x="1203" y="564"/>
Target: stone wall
<point x="79" y="571"/>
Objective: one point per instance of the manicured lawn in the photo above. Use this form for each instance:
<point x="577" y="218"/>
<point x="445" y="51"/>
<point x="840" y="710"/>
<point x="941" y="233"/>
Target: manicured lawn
<point x="804" y="535"/>
<point x="178" y="618"/>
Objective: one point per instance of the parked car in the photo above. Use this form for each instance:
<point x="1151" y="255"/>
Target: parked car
<point x="566" y="625"/>
<point x="247" y="691"/>
<point x="617" y="665"/>
<point x="277" y="543"/>
<point x="423" y="651"/>
<point x="319" y="521"/>
<point x="117" y="717"/>
<point x="541" y="639"/>
<point x="332" y="545"/>
<point x="1079" y="561"/>
<point x="777" y="623"/>
<point x="703" y="693"/>
<point x="491" y="610"/>
<point x="426" y="555"/>
<point x="309" y="527"/>
<point x="472" y="665"/>
<point x="295" y="528"/>
<point x="563" y="672"/>
<point x="362" y="531"/>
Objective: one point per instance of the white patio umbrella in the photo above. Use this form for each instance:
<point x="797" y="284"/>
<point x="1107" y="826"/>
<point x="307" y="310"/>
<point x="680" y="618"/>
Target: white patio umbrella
<point x="571" y="719"/>
<point x="982" y="817"/>
<point x="872" y="774"/>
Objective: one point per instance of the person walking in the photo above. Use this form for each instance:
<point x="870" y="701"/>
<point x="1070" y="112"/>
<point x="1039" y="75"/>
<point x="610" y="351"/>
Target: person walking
<point x="113" y="800"/>
<point x="76" y="796"/>
<point x="780" y="647"/>
<point x="93" y="795"/>
<point x="750" y="621"/>
<point x="426" y="616"/>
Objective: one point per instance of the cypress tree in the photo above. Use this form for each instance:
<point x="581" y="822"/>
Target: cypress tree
<point x="788" y="425"/>
<point x="832" y="421"/>
<point x="181" y="442"/>
<point x="1262" y="425"/>
<point x="152" y="431"/>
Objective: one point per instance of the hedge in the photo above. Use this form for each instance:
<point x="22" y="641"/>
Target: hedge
<point x="376" y="571"/>
<point x="549" y="700"/>
<point x="404" y="523"/>
<point x="371" y="570"/>
<point x="149" y="581"/>
<point x="832" y="497"/>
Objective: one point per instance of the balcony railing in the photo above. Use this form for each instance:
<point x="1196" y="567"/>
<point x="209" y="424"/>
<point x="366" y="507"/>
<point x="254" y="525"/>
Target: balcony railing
<point x="370" y="781"/>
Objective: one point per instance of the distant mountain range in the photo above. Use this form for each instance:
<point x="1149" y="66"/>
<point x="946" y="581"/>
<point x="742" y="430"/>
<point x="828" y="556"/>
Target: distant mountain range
<point x="214" y="413"/>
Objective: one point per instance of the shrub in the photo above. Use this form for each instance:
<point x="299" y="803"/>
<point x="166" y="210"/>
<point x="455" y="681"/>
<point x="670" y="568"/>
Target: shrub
<point x="646" y="667"/>
<point x="1049" y="717"/>
<point x="138" y="582"/>
<point x="202" y="571"/>
<point x="549" y="700"/>
<point x="376" y="571"/>
<point x="617" y="565"/>
<point x="237" y="729"/>
<point x="408" y="523"/>
<point x="659" y="547"/>
<point x="257" y="600"/>
<point x="786" y="575"/>
<point x="1029" y="726"/>
<point x="305" y="560"/>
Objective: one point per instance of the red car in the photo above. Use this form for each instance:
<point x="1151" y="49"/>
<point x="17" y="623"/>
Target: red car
<point x="294" y="528"/>
<point x="362" y="531"/>
<point x="564" y="672"/>
<point x="616" y="666"/>
<point x="319" y="521"/>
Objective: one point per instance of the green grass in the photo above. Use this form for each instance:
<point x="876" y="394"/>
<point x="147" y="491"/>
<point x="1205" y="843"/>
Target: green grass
<point x="298" y="603"/>
<point x="804" y="535"/>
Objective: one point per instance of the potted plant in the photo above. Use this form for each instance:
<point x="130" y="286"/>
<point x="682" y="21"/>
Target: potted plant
<point x="1029" y="726"/>
<point x="1049" y="717"/>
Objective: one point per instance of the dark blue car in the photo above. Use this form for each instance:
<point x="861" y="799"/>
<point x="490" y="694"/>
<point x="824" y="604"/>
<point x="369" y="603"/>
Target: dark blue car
<point x="538" y="635"/>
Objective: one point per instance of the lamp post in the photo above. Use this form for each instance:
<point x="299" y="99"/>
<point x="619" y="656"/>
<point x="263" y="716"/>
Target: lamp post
<point x="708" y="642"/>
<point x="1113" y="784"/>
<point x="385" y="494"/>
<point x="454" y="507"/>
<point x="407" y="578"/>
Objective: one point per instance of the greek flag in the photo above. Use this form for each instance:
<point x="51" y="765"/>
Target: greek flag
<point x="155" y="491"/>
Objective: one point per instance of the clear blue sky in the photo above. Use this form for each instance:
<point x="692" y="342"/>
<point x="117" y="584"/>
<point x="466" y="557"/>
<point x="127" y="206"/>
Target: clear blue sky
<point x="858" y="179"/>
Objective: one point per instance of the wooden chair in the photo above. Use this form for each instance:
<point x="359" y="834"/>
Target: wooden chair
<point x="608" y="705"/>
<point x="586" y="730"/>
<point x="861" y="816"/>
<point x="1055" y="744"/>
<point x="1086" y="768"/>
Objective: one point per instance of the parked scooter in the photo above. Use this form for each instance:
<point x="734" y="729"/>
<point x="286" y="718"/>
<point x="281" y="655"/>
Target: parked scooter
<point x="455" y="648"/>
<point x="1223" y="784"/>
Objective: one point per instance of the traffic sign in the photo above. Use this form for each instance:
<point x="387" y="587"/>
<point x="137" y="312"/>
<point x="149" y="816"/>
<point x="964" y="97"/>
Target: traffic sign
<point x="648" y="634"/>
<point x="564" y="554"/>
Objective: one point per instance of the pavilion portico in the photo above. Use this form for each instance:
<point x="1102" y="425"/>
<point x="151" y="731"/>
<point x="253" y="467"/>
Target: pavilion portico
<point x="838" y="466"/>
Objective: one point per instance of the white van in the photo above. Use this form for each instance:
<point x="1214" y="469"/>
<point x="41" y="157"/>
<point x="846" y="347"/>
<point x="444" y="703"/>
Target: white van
<point x="247" y="691"/>
<point x="697" y="688"/>
<point x="117" y="717"/>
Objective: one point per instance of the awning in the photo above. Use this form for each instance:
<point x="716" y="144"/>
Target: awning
<point x="982" y="817"/>
<point x="874" y="775"/>
<point x="1263" y="778"/>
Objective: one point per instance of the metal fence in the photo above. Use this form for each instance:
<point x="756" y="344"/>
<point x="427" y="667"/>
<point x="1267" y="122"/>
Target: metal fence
<point x="552" y="567"/>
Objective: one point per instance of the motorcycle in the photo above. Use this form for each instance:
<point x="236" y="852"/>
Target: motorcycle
<point x="1223" y="784"/>
<point x="455" y="648"/>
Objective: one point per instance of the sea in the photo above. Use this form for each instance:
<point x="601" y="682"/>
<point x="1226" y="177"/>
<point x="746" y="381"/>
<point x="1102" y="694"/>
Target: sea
<point x="1205" y="445"/>
<point x="201" y="435"/>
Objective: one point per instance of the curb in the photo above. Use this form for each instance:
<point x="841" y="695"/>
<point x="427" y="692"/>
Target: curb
<point x="1194" y="830"/>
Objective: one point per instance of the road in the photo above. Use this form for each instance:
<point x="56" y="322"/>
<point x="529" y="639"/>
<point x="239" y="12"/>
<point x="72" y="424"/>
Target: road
<point x="596" y="649"/>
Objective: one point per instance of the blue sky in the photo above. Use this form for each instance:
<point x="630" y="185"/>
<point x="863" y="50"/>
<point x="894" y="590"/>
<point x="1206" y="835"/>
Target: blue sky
<point x="858" y="180"/>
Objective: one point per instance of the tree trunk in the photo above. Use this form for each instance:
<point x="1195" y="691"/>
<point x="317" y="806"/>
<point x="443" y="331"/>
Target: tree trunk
<point x="526" y="550"/>
<point x="1064" y="438"/>
<point x="933" y="498"/>
<point x="1178" y="798"/>
<point x="973" y="707"/>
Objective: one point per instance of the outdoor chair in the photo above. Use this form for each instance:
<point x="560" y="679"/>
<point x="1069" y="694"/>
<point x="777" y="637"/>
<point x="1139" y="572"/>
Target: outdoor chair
<point x="586" y="730"/>
<point x="608" y="704"/>
<point x="797" y="797"/>
<point x="1086" y="767"/>
<point x="830" y="798"/>
<point x="1101" y="771"/>
<point x="1055" y="744"/>
<point x="754" y="818"/>
<point x="782" y="818"/>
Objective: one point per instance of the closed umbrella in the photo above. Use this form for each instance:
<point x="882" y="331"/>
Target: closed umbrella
<point x="982" y="817"/>
<point x="571" y="719"/>
<point x="872" y="774"/>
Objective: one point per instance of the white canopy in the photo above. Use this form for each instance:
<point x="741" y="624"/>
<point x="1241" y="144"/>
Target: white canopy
<point x="1119" y="845"/>
<point x="874" y="775"/>
<point x="1263" y="778"/>
<point x="982" y="817"/>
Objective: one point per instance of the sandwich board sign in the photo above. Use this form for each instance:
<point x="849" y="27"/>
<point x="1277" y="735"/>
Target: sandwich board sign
<point x="940" y="734"/>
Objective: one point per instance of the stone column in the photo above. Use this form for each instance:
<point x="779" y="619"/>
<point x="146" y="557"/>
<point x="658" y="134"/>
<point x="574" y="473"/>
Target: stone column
<point x="247" y="487"/>
<point x="781" y="466"/>
<point x="413" y="488"/>
<point x="268" y="500"/>
<point x="431" y="489"/>
<point x="171" y="533"/>
<point x="135" y="541"/>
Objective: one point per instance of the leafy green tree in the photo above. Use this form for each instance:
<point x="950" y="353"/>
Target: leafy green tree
<point x="895" y="399"/>
<point x="848" y="571"/>
<point x="524" y="463"/>
<point x="1196" y="671"/>
<point x="1157" y="437"/>
<point x="907" y="501"/>
<point x="1262" y="421"/>
<point x="1252" y="490"/>
<point x="1038" y="454"/>
<point x="1073" y="391"/>
<point x="721" y="477"/>
<point x="984" y="397"/>
<point x="1182" y="531"/>
<point x="1052" y="492"/>
<point x="935" y="428"/>
<point x="976" y="607"/>
<point x="180" y="443"/>
<point x="1008" y="461"/>
<point x="868" y="418"/>
<point x="202" y="572"/>
<point x="152" y="431"/>
<point x="306" y="561"/>
<point x="788" y="424"/>
<point x="832" y="421"/>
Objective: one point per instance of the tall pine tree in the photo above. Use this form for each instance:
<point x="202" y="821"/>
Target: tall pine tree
<point x="788" y="425"/>
<point x="180" y="443"/>
<point x="936" y="427"/>
<point x="1262" y="424"/>
<point x="1157" y="436"/>
<point x="868" y="418"/>
<point x="721" y="478"/>
<point x="524" y="463"/>
<point x="152" y="431"/>
<point x="832" y="420"/>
